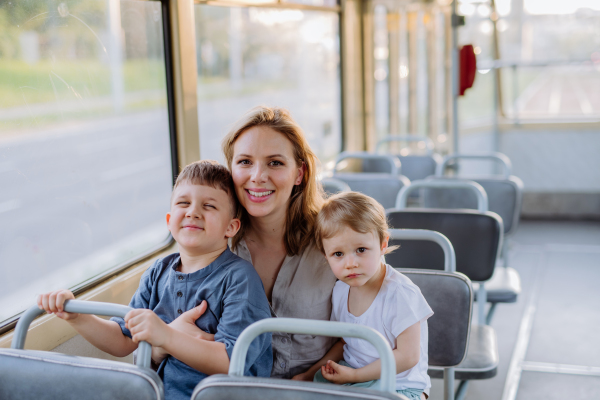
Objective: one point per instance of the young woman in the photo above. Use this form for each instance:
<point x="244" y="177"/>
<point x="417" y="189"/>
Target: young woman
<point x="274" y="173"/>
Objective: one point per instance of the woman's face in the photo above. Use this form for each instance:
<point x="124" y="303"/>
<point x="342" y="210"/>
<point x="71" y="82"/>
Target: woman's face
<point x="264" y="171"/>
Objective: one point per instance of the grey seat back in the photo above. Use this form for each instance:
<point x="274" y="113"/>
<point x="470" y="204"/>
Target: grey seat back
<point x="27" y="374"/>
<point x="475" y="236"/>
<point x="362" y="161"/>
<point x="381" y="186"/>
<point x="505" y="191"/>
<point x="333" y="186"/>
<point x="236" y="386"/>
<point x="504" y="198"/>
<point x="450" y="296"/>
<point x="414" y="166"/>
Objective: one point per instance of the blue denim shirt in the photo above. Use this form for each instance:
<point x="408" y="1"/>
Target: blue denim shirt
<point x="236" y="298"/>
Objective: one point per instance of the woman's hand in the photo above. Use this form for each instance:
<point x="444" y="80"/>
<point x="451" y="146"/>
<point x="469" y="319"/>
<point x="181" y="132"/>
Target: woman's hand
<point x="185" y="323"/>
<point x="305" y="376"/>
<point x="337" y="373"/>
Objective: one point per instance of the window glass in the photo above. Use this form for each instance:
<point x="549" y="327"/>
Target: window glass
<point x="85" y="164"/>
<point x="320" y="3"/>
<point x="275" y="57"/>
<point x="550" y="62"/>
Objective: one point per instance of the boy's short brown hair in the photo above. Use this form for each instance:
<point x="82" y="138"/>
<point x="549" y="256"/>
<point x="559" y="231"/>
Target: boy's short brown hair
<point x="354" y="210"/>
<point x="210" y="173"/>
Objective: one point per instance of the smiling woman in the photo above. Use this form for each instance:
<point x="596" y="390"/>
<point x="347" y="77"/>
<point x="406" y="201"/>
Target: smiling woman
<point x="274" y="173"/>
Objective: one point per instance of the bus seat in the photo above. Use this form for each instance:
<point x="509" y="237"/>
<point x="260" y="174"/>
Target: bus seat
<point x="362" y="161"/>
<point x="236" y="386"/>
<point x="333" y="186"/>
<point x="414" y="166"/>
<point x="475" y="235"/>
<point x="29" y="374"/>
<point x="481" y="360"/>
<point x="505" y="193"/>
<point x="382" y="187"/>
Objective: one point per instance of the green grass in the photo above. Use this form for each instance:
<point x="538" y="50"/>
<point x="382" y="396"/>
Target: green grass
<point x="21" y="83"/>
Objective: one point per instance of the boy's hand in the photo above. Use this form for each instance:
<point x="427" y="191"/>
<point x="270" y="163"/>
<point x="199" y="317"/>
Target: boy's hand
<point x="337" y="373"/>
<point x="186" y="323"/>
<point x="145" y="325"/>
<point x="53" y="303"/>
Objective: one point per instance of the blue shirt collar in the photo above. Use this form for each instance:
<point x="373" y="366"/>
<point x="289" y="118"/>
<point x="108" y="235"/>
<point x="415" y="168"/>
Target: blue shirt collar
<point x="201" y="273"/>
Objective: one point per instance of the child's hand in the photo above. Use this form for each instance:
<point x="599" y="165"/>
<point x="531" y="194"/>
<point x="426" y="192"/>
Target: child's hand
<point x="337" y="373"/>
<point x="186" y="323"/>
<point x="145" y="325"/>
<point x="53" y="303"/>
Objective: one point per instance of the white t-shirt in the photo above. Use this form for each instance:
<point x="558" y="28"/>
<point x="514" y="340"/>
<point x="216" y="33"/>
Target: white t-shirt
<point x="398" y="305"/>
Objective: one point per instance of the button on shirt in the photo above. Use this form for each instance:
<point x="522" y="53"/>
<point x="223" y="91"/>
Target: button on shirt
<point x="235" y="296"/>
<point x="302" y="290"/>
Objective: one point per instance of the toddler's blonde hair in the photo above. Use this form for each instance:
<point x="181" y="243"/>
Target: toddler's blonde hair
<point x="354" y="210"/>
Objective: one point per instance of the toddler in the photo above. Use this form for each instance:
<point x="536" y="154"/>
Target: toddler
<point x="352" y="232"/>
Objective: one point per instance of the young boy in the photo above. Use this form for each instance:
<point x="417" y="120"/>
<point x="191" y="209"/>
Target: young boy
<point x="352" y="232"/>
<point x="205" y="272"/>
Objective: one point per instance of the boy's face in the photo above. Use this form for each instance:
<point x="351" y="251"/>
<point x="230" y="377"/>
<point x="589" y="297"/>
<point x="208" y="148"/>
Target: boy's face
<point x="201" y="218"/>
<point x="354" y="257"/>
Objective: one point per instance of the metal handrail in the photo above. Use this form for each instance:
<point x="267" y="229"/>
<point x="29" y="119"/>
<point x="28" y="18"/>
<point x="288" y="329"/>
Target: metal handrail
<point x="482" y="199"/>
<point x="394" y="162"/>
<point x="499" y="157"/>
<point x="315" y="327"/>
<point x="81" y="307"/>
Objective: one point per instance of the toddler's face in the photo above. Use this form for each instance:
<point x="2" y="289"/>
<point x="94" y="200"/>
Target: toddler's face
<point x="354" y="257"/>
<point x="201" y="218"/>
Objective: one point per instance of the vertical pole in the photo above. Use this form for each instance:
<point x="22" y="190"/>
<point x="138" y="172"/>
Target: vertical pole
<point x="185" y="80"/>
<point x="455" y="76"/>
<point x="413" y="70"/>
<point x="115" y="55"/>
<point x="393" y="25"/>
<point x="235" y="48"/>
<point x="448" y="383"/>
<point x="481" y="302"/>
<point x="515" y="94"/>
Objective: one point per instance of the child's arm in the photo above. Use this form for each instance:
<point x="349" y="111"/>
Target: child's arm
<point x="336" y="353"/>
<point x="105" y="335"/>
<point x="406" y="354"/>
<point x="146" y="325"/>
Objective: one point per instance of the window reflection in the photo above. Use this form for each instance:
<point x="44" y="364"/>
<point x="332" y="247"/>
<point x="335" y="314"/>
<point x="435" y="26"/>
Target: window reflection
<point x="85" y="163"/>
<point x="276" y="57"/>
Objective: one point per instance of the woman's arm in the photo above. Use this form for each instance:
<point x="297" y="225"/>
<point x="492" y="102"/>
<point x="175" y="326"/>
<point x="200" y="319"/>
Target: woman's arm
<point x="204" y="356"/>
<point x="406" y="355"/>
<point x="335" y="354"/>
<point x="185" y="323"/>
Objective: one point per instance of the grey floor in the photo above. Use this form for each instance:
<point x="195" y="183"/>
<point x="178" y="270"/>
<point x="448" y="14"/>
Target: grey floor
<point x="549" y="338"/>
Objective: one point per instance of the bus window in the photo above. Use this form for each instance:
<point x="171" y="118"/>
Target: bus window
<point x="85" y="158"/>
<point x="288" y="57"/>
